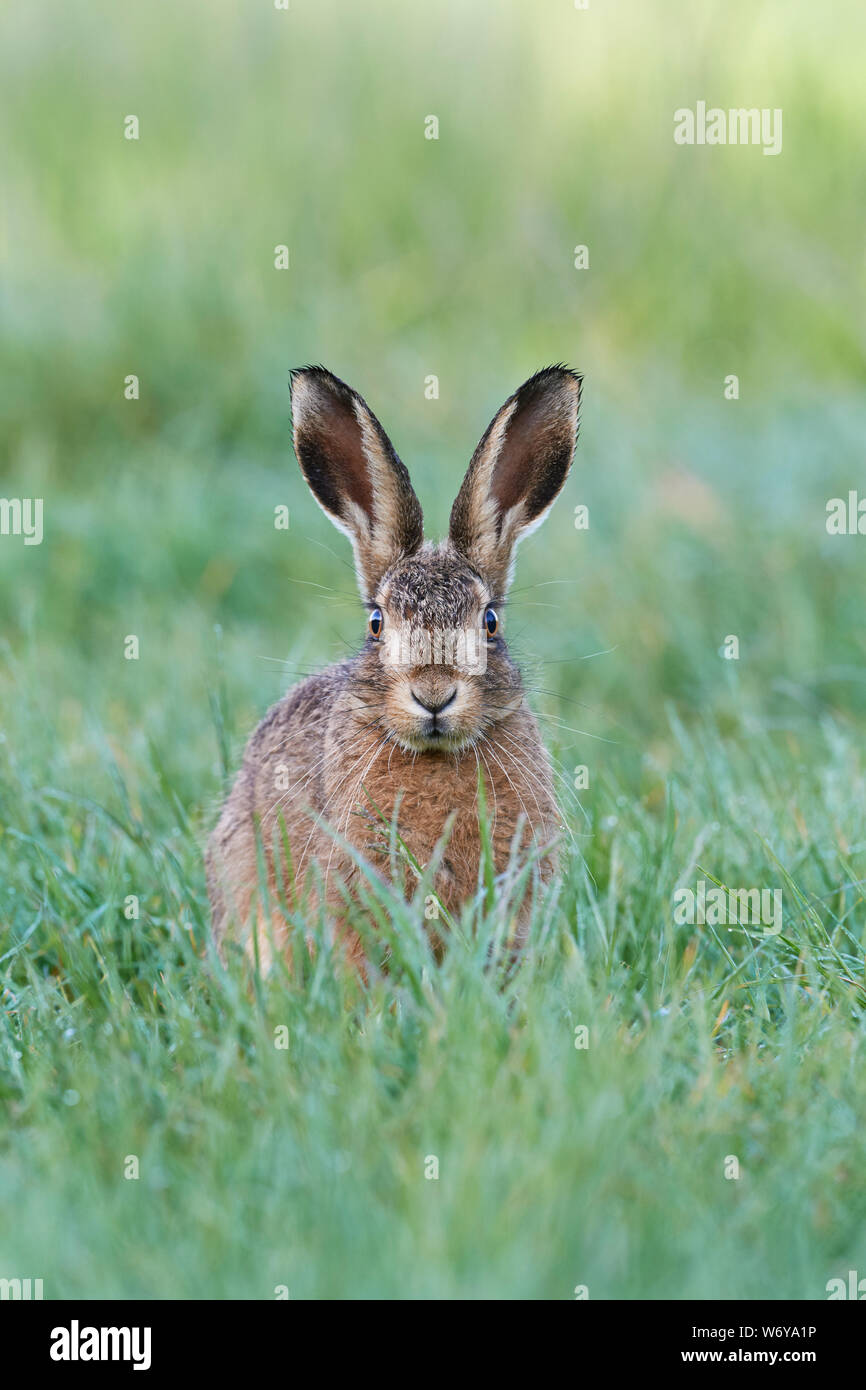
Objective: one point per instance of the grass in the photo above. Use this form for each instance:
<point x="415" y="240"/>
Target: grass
<point x="304" y="1166"/>
<point x="262" y="1166"/>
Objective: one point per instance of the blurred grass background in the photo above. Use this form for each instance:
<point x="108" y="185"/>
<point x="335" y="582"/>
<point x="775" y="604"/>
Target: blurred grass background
<point x="454" y="257"/>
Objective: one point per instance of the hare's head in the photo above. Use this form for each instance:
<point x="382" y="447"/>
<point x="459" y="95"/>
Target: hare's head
<point x="434" y="672"/>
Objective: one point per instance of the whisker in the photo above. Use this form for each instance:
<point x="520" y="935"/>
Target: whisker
<point x="483" y="739"/>
<point x="327" y="588"/>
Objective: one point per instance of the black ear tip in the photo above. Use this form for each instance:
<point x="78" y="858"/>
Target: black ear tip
<point x="556" y="375"/>
<point x="556" y="387"/>
<point x="316" y="381"/>
<point x="314" y="371"/>
<point x="297" y="374"/>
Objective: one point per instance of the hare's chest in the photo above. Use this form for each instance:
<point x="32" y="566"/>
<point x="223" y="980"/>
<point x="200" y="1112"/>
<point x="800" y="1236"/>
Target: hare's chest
<point x="431" y="796"/>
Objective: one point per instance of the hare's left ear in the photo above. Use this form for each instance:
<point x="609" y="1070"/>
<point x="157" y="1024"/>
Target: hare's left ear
<point x="516" y="473"/>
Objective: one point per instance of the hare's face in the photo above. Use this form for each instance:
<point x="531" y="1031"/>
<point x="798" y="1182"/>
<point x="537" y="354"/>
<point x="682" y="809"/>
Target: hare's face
<point x="434" y="671"/>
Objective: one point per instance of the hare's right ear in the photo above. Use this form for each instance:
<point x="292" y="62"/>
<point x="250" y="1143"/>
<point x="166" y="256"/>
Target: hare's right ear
<point x="354" y="473"/>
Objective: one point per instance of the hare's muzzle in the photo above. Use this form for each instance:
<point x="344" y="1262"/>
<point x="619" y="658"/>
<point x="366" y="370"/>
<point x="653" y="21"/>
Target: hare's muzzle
<point x="435" y="704"/>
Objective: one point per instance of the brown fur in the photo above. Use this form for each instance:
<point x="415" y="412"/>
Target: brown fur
<point x="360" y="741"/>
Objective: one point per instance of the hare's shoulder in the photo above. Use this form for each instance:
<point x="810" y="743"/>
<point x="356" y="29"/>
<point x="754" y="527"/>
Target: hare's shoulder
<point x="300" y="716"/>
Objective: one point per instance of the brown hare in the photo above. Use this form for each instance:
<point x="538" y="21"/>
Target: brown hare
<point x="400" y="731"/>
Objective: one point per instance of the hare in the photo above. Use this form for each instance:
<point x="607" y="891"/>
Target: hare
<point x="401" y="730"/>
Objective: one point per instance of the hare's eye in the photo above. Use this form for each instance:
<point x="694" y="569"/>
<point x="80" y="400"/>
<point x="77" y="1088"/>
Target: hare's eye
<point x="491" y="622"/>
<point x="376" y="623"/>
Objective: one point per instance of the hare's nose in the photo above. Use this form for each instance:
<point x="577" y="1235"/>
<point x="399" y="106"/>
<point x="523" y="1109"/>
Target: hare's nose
<point x="441" y="703"/>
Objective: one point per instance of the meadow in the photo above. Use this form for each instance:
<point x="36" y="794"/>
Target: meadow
<point x="307" y="1168"/>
